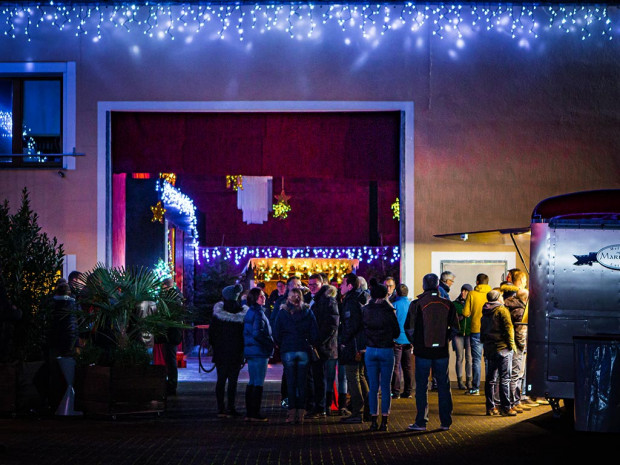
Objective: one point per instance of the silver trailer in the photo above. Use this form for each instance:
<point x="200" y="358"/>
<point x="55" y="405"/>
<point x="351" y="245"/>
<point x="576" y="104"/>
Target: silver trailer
<point x="574" y="286"/>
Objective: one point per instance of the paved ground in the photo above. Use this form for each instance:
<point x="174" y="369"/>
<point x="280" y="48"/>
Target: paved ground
<point x="190" y="433"/>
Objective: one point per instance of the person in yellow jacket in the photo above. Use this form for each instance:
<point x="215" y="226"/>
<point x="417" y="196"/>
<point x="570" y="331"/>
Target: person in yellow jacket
<point x="473" y="307"/>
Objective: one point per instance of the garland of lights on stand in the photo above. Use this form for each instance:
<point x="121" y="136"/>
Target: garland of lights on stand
<point x="365" y="254"/>
<point x="303" y="20"/>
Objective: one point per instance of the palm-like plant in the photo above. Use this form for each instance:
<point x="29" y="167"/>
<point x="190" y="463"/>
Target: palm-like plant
<point x="120" y="309"/>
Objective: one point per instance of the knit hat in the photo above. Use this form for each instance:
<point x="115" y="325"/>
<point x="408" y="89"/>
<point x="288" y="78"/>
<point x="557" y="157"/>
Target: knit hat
<point x="430" y="282"/>
<point x="232" y="292"/>
<point x="378" y="292"/>
<point x="466" y="287"/>
<point x="493" y="295"/>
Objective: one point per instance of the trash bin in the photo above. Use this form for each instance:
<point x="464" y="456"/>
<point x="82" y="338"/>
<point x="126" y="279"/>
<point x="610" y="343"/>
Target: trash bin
<point x="597" y="383"/>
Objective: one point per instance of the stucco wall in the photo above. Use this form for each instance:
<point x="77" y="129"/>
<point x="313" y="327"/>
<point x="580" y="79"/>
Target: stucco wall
<point x="498" y="125"/>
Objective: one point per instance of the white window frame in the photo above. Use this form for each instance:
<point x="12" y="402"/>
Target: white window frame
<point x="67" y="70"/>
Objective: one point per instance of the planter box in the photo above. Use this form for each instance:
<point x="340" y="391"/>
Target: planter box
<point x="118" y="390"/>
<point x="8" y="387"/>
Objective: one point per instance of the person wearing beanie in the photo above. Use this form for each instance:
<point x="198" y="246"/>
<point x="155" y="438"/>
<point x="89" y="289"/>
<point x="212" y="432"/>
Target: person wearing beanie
<point x="497" y="336"/>
<point x="473" y="308"/>
<point x="226" y="338"/>
<point x="431" y="323"/>
<point x="461" y="344"/>
<point x="380" y="328"/>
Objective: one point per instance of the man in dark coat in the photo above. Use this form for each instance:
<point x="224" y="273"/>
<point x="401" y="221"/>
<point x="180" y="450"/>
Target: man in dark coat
<point x="325" y="309"/>
<point x="352" y="345"/>
<point x="431" y="323"/>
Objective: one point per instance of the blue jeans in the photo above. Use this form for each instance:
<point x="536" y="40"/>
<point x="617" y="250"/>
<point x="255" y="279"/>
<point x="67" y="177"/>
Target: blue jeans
<point x="462" y="351"/>
<point x="476" y="359"/>
<point x="257" y="369"/>
<point x="380" y="366"/>
<point x="423" y="368"/>
<point x="498" y="372"/>
<point x="296" y="369"/>
<point x="342" y="381"/>
<point x="330" y="374"/>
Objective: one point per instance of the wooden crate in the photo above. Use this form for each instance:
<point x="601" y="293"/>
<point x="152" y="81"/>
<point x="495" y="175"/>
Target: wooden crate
<point x="115" y="391"/>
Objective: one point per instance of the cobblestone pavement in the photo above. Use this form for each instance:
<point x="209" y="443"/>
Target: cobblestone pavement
<point x="190" y="433"/>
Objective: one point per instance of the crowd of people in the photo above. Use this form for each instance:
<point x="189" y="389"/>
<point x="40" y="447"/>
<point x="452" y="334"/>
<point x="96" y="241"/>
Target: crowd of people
<point x="350" y="348"/>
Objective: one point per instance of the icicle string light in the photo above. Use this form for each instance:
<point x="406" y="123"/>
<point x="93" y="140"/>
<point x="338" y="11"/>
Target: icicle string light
<point x="303" y="20"/>
<point x="240" y="255"/>
<point x="173" y="197"/>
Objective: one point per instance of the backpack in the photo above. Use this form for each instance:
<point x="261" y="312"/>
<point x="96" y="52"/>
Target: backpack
<point x="435" y="312"/>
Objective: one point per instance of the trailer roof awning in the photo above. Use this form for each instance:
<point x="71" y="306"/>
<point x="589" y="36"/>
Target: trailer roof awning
<point x="506" y="236"/>
<point x="491" y="236"/>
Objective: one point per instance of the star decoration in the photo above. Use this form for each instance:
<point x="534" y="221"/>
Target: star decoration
<point x="282" y="207"/>
<point x="158" y="212"/>
<point x="282" y="198"/>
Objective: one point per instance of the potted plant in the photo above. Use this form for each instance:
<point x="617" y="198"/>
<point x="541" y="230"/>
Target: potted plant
<point x="121" y="311"/>
<point x="30" y="263"/>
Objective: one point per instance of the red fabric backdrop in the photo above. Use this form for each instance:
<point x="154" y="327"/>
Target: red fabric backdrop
<point x="327" y="161"/>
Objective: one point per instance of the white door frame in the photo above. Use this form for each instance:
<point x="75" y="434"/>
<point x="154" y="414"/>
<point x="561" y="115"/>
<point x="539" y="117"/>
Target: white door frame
<point x="104" y="171"/>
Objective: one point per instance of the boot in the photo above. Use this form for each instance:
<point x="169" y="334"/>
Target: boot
<point x="329" y="398"/>
<point x="301" y="413"/>
<point x="462" y="386"/>
<point x="343" y="409"/>
<point x="257" y="395"/>
<point x="249" y="398"/>
<point x="292" y="415"/>
<point x="468" y="383"/>
<point x="373" y="423"/>
<point x="384" y="422"/>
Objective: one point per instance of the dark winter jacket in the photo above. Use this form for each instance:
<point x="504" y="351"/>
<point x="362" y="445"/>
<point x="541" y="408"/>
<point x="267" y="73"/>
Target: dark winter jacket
<point x="496" y="330"/>
<point x="295" y="329"/>
<point x="226" y="333"/>
<point x="517" y="310"/>
<point x="257" y="339"/>
<point x="325" y="309"/>
<point x="63" y="334"/>
<point x="431" y="323"/>
<point x="380" y="324"/>
<point x="351" y="333"/>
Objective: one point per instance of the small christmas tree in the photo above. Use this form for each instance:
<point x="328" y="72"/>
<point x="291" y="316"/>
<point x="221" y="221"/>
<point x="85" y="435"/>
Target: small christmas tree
<point x="30" y="263"/>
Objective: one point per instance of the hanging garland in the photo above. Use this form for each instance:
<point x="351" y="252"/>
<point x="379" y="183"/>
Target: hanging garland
<point x="234" y="181"/>
<point x="396" y="209"/>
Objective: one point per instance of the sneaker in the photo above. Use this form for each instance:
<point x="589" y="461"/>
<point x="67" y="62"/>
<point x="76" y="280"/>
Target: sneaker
<point x="406" y="396"/>
<point x="223" y="415"/>
<point x="472" y="392"/>
<point x="508" y="413"/>
<point x="395" y="395"/>
<point x="524" y="407"/>
<point x="517" y="409"/>
<point x="530" y="404"/>
<point x="541" y="401"/>
<point x="444" y="428"/>
<point x="284" y="403"/>
<point x="415" y="427"/>
<point x="492" y="411"/>
<point x="353" y="419"/>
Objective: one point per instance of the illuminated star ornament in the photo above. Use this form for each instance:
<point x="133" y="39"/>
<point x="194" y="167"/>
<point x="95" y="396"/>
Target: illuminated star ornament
<point x="158" y="212"/>
<point x="396" y="209"/>
<point x="282" y="207"/>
